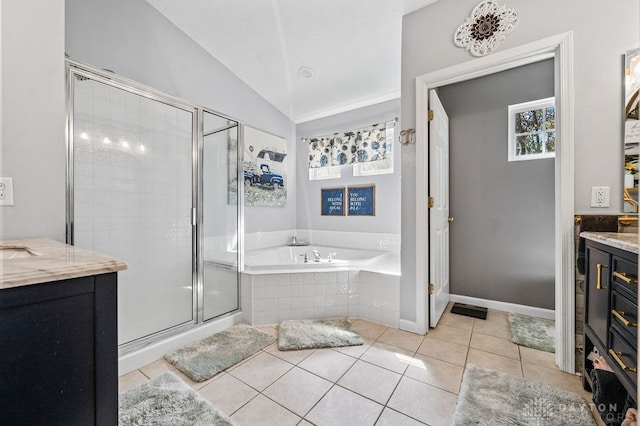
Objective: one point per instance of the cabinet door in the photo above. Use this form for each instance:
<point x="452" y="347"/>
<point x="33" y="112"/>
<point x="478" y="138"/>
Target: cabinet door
<point x="47" y="354"/>
<point x="596" y="310"/>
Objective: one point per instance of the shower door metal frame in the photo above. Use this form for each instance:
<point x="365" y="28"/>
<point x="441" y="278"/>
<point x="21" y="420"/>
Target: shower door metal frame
<point x="199" y="214"/>
<point x="109" y="78"/>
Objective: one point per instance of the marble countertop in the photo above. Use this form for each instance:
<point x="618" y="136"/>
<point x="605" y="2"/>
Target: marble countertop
<point x="46" y="260"/>
<point x="621" y="240"/>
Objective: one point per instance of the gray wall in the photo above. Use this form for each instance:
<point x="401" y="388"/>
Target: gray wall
<point x="134" y="40"/>
<point x="602" y="32"/>
<point x="387" y="218"/>
<point x="502" y="239"/>
<point x="33" y="114"/>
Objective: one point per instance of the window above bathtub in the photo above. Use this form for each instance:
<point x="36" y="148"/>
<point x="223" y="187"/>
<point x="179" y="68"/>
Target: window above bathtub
<point x="369" y="151"/>
<point x="532" y="130"/>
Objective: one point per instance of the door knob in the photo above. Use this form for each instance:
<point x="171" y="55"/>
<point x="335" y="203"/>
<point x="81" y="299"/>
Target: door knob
<point x="450" y="219"/>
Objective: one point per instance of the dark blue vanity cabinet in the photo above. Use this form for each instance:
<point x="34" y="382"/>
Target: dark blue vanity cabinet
<point x="611" y="310"/>
<point x="58" y="352"/>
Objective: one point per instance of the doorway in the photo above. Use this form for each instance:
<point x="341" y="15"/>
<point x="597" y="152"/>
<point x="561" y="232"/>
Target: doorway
<point x="502" y="236"/>
<point x="560" y="48"/>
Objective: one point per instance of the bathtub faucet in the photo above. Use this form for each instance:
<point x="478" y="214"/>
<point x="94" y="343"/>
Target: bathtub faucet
<point x="293" y="241"/>
<point x="316" y="255"/>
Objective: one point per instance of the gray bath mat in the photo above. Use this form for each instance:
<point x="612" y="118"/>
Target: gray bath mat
<point x="312" y="334"/>
<point x="167" y="400"/>
<point x="533" y="332"/>
<point x="488" y="397"/>
<point x="207" y="357"/>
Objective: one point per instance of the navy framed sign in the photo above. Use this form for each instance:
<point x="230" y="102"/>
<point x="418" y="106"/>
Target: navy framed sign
<point x="332" y="201"/>
<point x="362" y="200"/>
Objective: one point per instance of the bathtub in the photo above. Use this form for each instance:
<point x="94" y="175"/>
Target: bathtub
<point x="284" y="258"/>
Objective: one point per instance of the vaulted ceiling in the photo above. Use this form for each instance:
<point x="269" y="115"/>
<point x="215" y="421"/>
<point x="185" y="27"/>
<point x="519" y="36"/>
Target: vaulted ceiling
<point x="351" y="48"/>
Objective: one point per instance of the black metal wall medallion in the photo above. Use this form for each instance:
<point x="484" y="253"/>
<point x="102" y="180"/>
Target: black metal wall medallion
<point x="489" y="24"/>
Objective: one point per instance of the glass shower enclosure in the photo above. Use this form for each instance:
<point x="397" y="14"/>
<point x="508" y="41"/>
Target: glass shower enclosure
<point x="152" y="180"/>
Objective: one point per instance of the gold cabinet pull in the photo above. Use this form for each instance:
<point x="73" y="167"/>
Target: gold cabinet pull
<point x="623" y="320"/>
<point x="622" y="365"/>
<point x="599" y="267"/>
<point x="450" y="219"/>
<point x="623" y="276"/>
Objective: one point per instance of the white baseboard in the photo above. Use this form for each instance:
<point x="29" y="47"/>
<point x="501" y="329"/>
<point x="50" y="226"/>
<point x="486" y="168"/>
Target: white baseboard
<point x="156" y="351"/>
<point x="505" y="306"/>
<point x="411" y="326"/>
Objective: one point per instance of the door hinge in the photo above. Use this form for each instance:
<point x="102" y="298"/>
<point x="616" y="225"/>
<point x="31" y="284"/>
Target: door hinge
<point x="432" y="288"/>
<point x="431" y="202"/>
<point x="429" y="115"/>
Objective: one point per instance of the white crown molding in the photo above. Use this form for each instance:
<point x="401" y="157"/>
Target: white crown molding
<point x="322" y="113"/>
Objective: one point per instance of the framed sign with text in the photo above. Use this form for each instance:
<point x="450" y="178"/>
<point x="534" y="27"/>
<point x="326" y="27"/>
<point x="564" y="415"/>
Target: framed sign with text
<point x="332" y="202"/>
<point x="362" y="200"/>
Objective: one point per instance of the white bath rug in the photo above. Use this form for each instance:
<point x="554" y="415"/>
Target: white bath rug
<point x="488" y="397"/>
<point x="313" y="334"/>
<point x="167" y="401"/>
<point x="533" y="332"/>
<point x="205" y="358"/>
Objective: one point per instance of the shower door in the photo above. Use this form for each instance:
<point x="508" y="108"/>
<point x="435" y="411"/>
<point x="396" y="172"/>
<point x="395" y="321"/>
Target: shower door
<point x="220" y="216"/>
<point x="132" y="197"/>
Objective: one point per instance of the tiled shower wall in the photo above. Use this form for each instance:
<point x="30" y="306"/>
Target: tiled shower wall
<point x="132" y="200"/>
<point x="271" y="298"/>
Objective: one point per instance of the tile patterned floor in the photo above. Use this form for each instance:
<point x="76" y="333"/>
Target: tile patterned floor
<point x="395" y="378"/>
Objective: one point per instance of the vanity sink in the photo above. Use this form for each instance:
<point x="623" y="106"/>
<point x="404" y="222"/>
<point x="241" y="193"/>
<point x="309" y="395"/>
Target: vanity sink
<point x="16" y="251"/>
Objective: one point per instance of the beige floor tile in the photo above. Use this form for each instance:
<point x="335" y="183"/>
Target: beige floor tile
<point x="450" y="334"/>
<point x="370" y="381"/>
<point x="343" y="407"/>
<point x="131" y="380"/>
<point x="389" y="357"/>
<point x="496" y="324"/>
<point x="305" y="423"/>
<point x="327" y="363"/>
<point x="293" y="357"/>
<point x="495" y="345"/>
<point x="228" y="393"/>
<point x="401" y="339"/>
<point x="368" y="329"/>
<point x="261" y="370"/>
<point x="445" y="351"/>
<point x="355" y="351"/>
<point x="436" y="372"/>
<point x="494" y="362"/>
<point x="556" y="378"/>
<point x="534" y="356"/>
<point x="298" y="390"/>
<point x="456" y="320"/>
<point x="193" y="384"/>
<point x="269" y="330"/>
<point x="423" y="402"/>
<point x="157" y="368"/>
<point x="391" y="417"/>
<point x="264" y="412"/>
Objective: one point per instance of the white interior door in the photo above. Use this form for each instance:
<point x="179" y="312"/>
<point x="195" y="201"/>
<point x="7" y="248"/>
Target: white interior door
<point x="439" y="209"/>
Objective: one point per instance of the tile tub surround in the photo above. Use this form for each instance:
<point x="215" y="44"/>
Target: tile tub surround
<point x="363" y="240"/>
<point x="55" y="261"/>
<point x="271" y="298"/>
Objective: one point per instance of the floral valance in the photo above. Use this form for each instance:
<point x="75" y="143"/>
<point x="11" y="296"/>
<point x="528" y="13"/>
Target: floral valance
<point x="356" y="146"/>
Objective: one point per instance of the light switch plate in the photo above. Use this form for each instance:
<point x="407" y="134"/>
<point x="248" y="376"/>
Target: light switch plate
<point x="600" y="196"/>
<point x="6" y="191"/>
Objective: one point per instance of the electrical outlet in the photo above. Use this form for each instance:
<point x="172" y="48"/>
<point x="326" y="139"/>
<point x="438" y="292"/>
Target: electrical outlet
<point x="600" y="196"/>
<point x="6" y="191"/>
